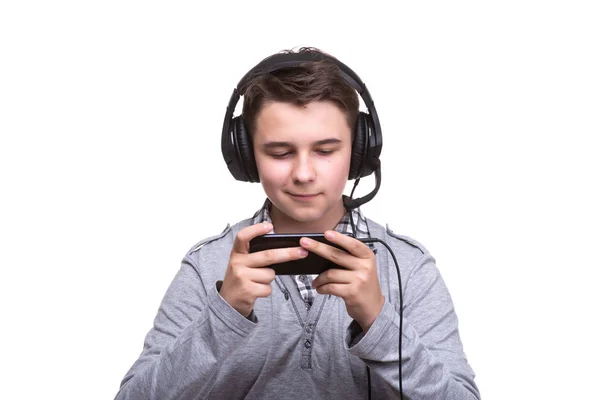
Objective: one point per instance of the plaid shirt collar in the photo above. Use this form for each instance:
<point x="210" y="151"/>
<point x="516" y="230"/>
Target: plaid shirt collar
<point x="343" y="226"/>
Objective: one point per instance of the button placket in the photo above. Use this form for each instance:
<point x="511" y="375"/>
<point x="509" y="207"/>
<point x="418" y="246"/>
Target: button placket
<point x="309" y="327"/>
<point x="307" y="345"/>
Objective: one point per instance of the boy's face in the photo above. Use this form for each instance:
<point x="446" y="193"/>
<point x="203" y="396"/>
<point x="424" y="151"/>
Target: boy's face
<point x="303" y="157"/>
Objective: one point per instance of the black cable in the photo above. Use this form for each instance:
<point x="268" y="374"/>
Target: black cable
<point x="354" y="233"/>
<point x="372" y="240"/>
<point x="354" y="188"/>
<point x="369" y="380"/>
<point x="352" y="219"/>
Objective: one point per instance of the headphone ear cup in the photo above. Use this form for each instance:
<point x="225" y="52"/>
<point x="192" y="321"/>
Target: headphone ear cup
<point x="359" y="146"/>
<point x="244" y="150"/>
<point x="365" y="149"/>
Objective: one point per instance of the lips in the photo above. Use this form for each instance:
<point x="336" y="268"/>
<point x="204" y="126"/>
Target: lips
<point x="303" y="196"/>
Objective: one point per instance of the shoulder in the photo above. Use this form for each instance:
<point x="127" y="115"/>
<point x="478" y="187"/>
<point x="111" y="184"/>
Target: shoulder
<point x="387" y="233"/>
<point x="414" y="260"/>
<point x="222" y="240"/>
<point x="405" y="247"/>
<point x="406" y="240"/>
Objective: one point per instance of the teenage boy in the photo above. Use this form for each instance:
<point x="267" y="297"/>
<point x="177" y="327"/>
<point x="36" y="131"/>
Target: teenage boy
<point x="230" y="328"/>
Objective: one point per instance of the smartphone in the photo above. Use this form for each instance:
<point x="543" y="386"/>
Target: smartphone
<point x="309" y="265"/>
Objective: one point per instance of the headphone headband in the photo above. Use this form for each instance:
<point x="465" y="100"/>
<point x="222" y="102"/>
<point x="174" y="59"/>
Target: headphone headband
<point x="291" y="60"/>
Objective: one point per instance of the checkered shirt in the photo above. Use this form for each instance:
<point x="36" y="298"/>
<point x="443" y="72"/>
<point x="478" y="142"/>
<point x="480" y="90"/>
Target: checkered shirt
<point x="304" y="282"/>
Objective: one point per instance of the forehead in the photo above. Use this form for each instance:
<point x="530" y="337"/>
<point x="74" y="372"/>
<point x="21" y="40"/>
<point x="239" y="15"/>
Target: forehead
<point x="311" y="123"/>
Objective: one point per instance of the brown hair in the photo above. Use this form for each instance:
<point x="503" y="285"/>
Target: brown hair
<point x="312" y="81"/>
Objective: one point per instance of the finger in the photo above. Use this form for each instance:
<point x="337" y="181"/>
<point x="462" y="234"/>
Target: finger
<point x="241" y="244"/>
<point x="337" y="256"/>
<point x="334" y="275"/>
<point x="336" y="289"/>
<point x="261" y="276"/>
<point x="262" y="290"/>
<point x="354" y="246"/>
<point x="265" y="258"/>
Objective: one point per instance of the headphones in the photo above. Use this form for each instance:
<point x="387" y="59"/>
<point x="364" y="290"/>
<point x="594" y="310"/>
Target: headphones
<point x="236" y="144"/>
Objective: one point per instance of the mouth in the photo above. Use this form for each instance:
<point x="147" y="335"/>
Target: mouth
<point x="303" y="196"/>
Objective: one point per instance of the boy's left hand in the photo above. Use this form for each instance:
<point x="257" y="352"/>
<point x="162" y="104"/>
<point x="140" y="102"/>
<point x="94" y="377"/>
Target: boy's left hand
<point x="358" y="285"/>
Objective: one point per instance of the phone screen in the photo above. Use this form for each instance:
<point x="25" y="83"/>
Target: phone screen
<point x="309" y="265"/>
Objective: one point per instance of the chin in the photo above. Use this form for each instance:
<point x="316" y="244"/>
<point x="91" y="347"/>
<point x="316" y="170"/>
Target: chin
<point x="306" y="216"/>
<point x="301" y="212"/>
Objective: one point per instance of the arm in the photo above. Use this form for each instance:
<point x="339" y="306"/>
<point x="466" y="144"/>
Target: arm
<point x="181" y="352"/>
<point x="196" y="329"/>
<point x="433" y="363"/>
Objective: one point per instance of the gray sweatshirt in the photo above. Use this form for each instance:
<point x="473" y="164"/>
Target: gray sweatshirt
<point x="201" y="348"/>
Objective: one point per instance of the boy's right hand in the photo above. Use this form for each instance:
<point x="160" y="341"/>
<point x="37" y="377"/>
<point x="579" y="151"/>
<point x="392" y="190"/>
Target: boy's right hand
<point x="246" y="279"/>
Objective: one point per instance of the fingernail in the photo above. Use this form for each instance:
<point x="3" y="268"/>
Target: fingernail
<point x="305" y="241"/>
<point x="329" y="234"/>
<point x="268" y="226"/>
<point x="302" y="252"/>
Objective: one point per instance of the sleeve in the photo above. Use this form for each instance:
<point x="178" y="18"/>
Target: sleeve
<point x="193" y="332"/>
<point x="434" y="365"/>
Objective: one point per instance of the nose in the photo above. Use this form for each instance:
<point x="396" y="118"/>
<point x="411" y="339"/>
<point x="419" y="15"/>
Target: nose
<point x="303" y="170"/>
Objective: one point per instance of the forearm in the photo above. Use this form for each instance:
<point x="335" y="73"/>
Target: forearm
<point x="425" y="375"/>
<point x="184" y="367"/>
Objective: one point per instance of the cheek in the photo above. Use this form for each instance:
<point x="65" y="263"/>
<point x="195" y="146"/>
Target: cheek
<point x="271" y="173"/>
<point x="336" y="169"/>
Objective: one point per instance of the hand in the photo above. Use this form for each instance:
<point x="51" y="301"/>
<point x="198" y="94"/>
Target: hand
<point x="244" y="281"/>
<point x="358" y="285"/>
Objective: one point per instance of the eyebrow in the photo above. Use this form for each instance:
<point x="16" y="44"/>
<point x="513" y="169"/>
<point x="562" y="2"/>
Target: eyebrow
<point x="269" y="145"/>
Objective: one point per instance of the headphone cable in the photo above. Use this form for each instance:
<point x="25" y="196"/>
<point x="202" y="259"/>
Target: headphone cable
<point x="376" y="240"/>
<point x="373" y="240"/>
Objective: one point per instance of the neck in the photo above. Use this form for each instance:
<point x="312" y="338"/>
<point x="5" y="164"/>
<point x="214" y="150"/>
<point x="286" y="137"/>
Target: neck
<point x="283" y="223"/>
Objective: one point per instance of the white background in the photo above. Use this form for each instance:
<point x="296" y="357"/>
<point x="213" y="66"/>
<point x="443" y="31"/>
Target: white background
<point x="110" y="170"/>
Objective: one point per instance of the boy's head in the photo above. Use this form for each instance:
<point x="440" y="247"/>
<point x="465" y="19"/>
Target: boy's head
<point x="297" y="131"/>
<point x="300" y="85"/>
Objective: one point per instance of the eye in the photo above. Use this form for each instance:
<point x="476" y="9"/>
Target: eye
<point x="324" y="152"/>
<point x="280" y="155"/>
